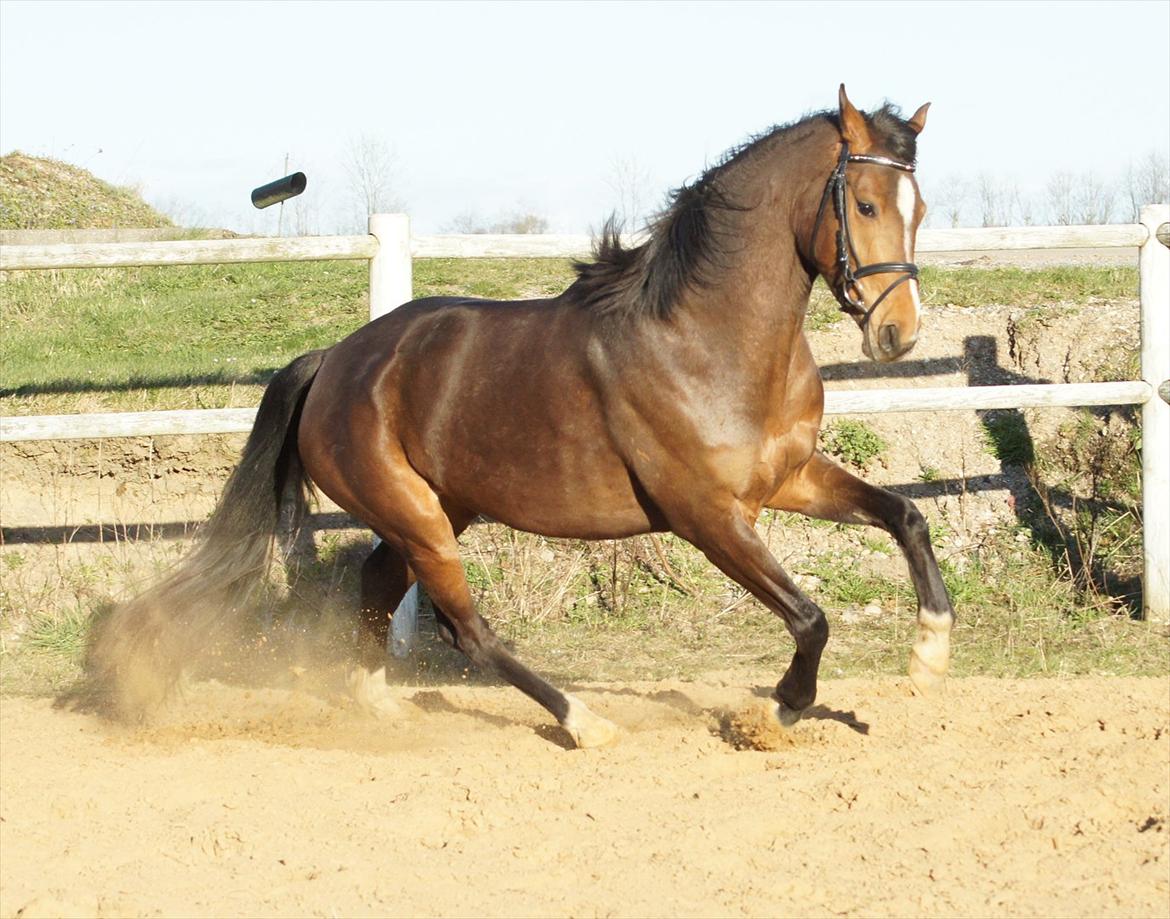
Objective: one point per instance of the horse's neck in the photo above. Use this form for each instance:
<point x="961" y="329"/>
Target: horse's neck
<point x="756" y="311"/>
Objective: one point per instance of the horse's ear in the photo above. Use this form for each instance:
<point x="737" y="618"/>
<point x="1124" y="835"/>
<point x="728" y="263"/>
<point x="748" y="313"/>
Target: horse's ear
<point x="918" y="119"/>
<point x="853" y="127"/>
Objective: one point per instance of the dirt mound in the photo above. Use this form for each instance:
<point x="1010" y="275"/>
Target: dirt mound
<point x="1039" y="797"/>
<point x="41" y="193"/>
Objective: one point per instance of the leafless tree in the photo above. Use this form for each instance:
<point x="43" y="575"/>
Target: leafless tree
<point x="1093" y="199"/>
<point x="1025" y="207"/>
<point x="1061" y="193"/>
<point x="1147" y="181"/>
<point x="305" y="220"/>
<point x="468" y="221"/>
<point x="630" y="182"/>
<point x="946" y="199"/>
<point x="371" y="170"/>
<point x="180" y="212"/>
<point x="996" y="200"/>
<point x="519" y="221"/>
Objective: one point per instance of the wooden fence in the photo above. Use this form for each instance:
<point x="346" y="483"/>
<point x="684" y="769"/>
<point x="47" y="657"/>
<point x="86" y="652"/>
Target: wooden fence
<point x="390" y="250"/>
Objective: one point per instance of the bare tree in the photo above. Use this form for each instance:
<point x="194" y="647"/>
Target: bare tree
<point x="305" y="220"/>
<point x="371" y="168"/>
<point x="1147" y="182"/>
<point x="1093" y="199"/>
<point x="468" y="221"/>
<point x="947" y="198"/>
<point x="629" y="181"/>
<point x="1061" y="198"/>
<point x="180" y="212"/>
<point x="1025" y="206"/>
<point x="996" y="200"/>
<point x="519" y="221"/>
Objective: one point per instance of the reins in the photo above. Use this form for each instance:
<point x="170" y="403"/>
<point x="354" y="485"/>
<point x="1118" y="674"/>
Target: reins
<point x="845" y="282"/>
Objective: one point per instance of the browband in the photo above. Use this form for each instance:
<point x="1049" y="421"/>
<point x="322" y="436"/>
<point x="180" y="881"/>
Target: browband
<point x="881" y="161"/>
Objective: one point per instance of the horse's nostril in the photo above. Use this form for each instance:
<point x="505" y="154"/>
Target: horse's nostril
<point x="888" y="338"/>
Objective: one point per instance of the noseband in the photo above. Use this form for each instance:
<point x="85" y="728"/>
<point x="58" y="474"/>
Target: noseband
<point x="845" y="283"/>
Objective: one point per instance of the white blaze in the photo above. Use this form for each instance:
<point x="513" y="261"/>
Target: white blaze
<point x="905" y="202"/>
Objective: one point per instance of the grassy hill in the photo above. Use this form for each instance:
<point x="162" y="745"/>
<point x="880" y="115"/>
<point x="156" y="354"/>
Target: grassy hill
<point x="44" y="194"/>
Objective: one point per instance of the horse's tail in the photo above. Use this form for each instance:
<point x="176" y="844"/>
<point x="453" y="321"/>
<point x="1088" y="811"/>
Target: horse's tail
<point x="137" y="652"/>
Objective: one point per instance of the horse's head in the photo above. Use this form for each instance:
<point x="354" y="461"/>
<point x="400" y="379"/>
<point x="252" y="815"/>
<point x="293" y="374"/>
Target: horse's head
<point x="863" y="237"/>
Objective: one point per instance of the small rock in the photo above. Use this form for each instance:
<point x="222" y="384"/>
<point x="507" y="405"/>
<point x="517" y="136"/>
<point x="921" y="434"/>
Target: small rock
<point x="871" y="610"/>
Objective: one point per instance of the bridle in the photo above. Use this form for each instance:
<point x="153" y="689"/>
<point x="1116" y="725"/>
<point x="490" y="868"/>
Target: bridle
<point x="844" y="285"/>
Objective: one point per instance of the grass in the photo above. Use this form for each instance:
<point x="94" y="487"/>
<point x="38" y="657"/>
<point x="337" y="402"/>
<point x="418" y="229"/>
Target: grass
<point x="135" y="339"/>
<point x="1007" y="437"/>
<point x="577" y="611"/>
<point x="41" y="193"/>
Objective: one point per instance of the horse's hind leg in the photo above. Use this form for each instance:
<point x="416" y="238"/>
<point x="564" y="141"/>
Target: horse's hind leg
<point x="410" y="515"/>
<point x="823" y="489"/>
<point x="385" y="579"/>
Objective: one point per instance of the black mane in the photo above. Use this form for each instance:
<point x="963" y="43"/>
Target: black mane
<point x="693" y="237"/>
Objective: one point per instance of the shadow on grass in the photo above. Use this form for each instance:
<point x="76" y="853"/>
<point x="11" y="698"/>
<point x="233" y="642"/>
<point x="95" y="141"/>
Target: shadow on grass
<point x="173" y="381"/>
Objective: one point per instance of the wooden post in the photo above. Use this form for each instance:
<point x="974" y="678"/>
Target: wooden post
<point x="391" y="283"/>
<point x="1154" y="267"/>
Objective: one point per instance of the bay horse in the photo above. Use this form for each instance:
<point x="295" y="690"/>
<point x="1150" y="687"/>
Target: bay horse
<point x="669" y="388"/>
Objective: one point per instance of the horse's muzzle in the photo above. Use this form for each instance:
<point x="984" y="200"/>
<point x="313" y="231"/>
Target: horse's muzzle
<point x="890" y="343"/>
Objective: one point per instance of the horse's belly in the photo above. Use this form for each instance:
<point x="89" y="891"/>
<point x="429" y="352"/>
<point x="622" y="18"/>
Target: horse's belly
<point x="557" y="491"/>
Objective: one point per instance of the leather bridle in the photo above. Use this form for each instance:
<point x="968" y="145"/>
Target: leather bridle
<point x="844" y="284"/>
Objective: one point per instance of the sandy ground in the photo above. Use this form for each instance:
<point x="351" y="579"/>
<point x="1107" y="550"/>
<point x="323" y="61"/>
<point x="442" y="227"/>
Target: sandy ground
<point x="1031" y="798"/>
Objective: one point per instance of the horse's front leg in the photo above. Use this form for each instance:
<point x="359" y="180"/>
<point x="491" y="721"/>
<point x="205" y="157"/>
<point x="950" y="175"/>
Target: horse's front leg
<point x="731" y="542"/>
<point x="823" y="489"/>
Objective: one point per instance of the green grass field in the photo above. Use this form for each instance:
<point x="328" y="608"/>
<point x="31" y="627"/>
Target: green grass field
<point x="210" y="336"/>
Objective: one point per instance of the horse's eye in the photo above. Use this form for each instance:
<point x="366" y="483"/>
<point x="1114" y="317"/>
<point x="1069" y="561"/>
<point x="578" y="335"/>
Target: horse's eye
<point x="867" y="209"/>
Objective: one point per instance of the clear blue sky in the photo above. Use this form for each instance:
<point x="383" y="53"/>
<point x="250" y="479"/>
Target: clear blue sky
<point x="493" y="106"/>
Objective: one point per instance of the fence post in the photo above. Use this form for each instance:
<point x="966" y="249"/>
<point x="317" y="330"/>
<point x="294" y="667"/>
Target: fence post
<point x="391" y="285"/>
<point x="1154" y="268"/>
<point x="390" y="268"/>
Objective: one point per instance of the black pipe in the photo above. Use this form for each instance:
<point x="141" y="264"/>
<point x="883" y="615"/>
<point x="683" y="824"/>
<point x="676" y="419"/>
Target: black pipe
<point x="280" y="190"/>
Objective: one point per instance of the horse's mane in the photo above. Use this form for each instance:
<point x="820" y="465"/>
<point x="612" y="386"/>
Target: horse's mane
<point x="693" y="237"/>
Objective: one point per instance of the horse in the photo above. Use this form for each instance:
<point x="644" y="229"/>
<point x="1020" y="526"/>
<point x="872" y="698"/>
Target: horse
<point x="670" y="387"/>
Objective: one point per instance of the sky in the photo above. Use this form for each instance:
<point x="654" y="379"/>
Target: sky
<point x="499" y="108"/>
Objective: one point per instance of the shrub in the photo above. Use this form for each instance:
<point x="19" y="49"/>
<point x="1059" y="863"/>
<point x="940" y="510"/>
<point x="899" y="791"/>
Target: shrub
<point x="853" y="442"/>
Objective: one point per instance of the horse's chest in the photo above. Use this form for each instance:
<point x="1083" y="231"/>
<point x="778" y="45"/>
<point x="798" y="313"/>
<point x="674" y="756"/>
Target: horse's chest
<point x="781" y="454"/>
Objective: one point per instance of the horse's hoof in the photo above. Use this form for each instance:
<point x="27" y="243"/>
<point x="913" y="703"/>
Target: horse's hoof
<point x="787" y="716"/>
<point x="371" y="694"/>
<point x="928" y="679"/>
<point x="587" y="729"/>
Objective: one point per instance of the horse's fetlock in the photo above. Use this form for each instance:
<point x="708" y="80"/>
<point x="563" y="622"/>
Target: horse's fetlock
<point x="794" y="696"/>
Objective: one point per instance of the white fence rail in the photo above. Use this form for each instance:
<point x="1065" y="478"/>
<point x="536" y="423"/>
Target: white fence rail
<point x="390" y="249"/>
